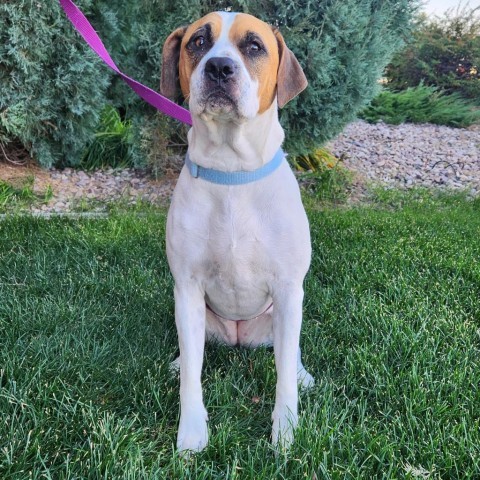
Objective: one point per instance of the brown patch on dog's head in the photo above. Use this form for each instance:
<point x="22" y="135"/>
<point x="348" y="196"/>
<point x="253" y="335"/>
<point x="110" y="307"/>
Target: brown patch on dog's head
<point x="197" y="41"/>
<point x="182" y="52"/>
<point x="258" y="46"/>
<point x="268" y="60"/>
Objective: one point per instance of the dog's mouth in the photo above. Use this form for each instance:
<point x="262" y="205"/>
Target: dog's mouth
<point x="219" y="100"/>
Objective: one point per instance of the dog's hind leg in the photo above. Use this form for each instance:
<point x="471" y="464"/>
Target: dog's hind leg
<point x="304" y="379"/>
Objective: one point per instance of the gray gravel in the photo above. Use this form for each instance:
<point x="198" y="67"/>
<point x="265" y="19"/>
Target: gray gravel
<point x="72" y="188"/>
<point x="403" y="156"/>
<point x="411" y="155"/>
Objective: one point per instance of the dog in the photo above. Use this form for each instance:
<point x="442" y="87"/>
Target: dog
<point x="238" y="239"/>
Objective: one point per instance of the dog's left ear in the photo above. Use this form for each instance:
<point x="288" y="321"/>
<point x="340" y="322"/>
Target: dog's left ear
<point x="290" y="78"/>
<point x="170" y="83"/>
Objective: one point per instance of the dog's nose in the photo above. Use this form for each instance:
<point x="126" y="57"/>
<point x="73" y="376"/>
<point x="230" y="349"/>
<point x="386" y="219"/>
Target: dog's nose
<point x="220" y="69"/>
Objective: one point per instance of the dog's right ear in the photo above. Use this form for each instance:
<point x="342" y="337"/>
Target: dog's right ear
<point x="170" y="83"/>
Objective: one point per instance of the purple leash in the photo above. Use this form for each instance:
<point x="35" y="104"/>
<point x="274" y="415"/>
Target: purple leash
<point x="85" y="29"/>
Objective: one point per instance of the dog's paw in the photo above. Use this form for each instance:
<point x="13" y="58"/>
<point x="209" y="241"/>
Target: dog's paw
<point x="284" y="423"/>
<point x="305" y="380"/>
<point x="174" y="366"/>
<point x="192" y="433"/>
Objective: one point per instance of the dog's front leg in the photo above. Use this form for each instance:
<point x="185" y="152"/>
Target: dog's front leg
<point x="287" y="320"/>
<point x="190" y="321"/>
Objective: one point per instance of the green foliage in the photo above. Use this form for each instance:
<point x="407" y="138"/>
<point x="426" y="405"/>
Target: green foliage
<point x="421" y="104"/>
<point x="112" y="146"/>
<point x="327" y="185"/>
<point x="21" y="194"/>
<point x="319" y="159"/>
<point x="323" y="177"/>
<point x="443" y="52"/>
<point x="50" y="90"/>
<point x="53" y="89"/>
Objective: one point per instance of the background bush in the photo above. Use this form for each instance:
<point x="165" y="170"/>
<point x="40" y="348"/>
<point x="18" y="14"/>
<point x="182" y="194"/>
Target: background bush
<point x="53" y="90"/>
<point x="421" y="104"/>
<point x="443" y="52"/>
<point x="50" y="90"/>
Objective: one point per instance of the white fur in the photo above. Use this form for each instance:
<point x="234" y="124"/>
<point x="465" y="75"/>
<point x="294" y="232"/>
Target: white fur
<point x="238" y="248"/>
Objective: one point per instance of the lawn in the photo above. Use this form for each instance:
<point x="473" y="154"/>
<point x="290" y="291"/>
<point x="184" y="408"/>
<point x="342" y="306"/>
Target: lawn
<point x="391" y="333"/>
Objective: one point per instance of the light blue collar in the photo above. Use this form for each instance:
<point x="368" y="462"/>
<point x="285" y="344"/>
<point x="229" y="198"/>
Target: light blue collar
<point x="239" y="177"/>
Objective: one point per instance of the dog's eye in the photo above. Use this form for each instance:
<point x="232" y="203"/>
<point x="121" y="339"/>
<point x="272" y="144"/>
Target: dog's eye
<point x="199" y="41"/>
<point x="255" y="47"/>
<point x="252" y="46"/>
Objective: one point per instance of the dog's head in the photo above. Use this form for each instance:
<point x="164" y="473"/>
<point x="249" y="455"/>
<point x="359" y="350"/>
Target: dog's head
<point x="230" y="65"/>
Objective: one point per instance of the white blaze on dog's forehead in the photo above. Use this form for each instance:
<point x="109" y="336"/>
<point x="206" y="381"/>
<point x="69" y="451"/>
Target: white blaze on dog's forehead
<point x="223" y="46"/>
<point x="227" y="20"/>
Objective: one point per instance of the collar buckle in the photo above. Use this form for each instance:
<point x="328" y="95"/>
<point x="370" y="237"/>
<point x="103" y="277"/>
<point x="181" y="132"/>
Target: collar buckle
<point x="194" y="170"/>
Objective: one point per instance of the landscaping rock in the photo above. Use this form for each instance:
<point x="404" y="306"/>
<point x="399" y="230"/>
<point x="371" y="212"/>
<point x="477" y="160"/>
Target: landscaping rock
<point x="411" y="155"/>
<point x="404" y="156"/>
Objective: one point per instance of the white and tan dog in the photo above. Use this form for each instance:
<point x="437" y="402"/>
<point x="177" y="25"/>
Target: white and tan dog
<point x="238" y="253"/>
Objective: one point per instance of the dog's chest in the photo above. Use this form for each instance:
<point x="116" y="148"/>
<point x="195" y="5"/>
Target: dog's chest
<point x="239" y="258"/>
<point x="237" y="242"/>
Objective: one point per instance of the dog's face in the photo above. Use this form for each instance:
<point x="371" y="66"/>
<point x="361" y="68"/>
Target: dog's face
<point x="230" y="65"/>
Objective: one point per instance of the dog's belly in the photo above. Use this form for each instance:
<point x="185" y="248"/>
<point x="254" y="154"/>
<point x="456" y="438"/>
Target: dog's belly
<point x="238" y="249"/>
<point x="237" y="293"/>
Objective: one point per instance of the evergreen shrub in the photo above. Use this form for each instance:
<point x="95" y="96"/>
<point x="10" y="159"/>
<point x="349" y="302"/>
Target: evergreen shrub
<point x="443" y="52"/>
<point x="421" y="104"/>
<point x="50" y="91"/>
<point x="343" y="46"/>
<point x="53" y="89"/>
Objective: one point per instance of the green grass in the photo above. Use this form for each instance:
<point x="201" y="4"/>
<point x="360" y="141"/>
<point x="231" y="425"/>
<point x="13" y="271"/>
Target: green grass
<point x="422" y="104"/>
<point x="21" y="195"/>
<point x="391" y="333"/>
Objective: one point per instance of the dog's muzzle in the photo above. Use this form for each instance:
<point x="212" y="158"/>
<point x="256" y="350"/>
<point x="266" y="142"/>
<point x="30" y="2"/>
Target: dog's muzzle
<point x="220" y="85"/>
<point x="220" y="70"/>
